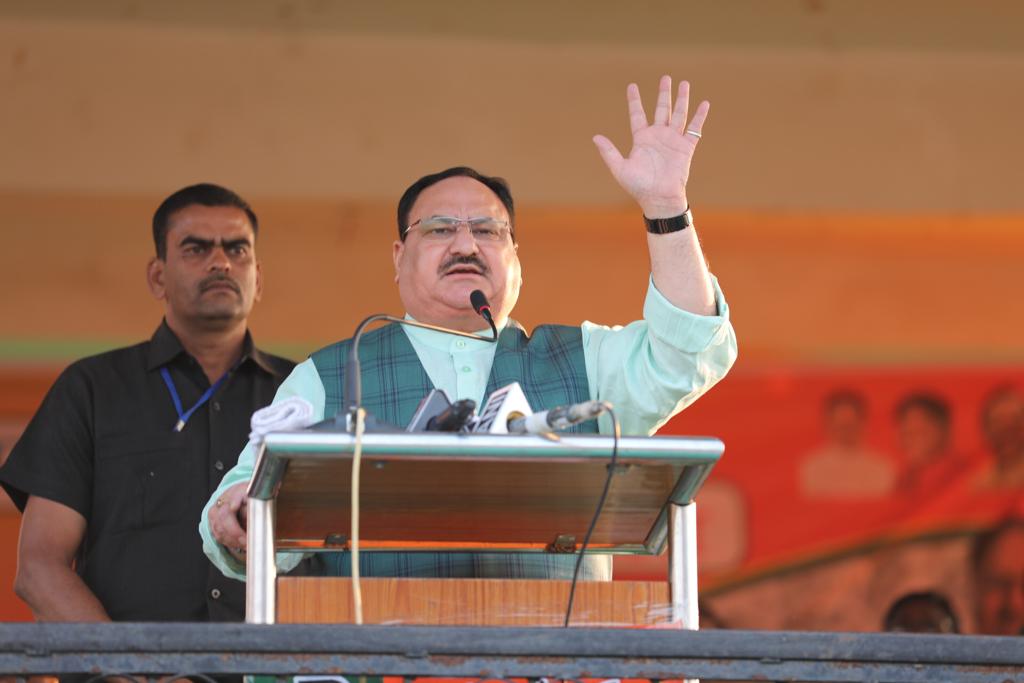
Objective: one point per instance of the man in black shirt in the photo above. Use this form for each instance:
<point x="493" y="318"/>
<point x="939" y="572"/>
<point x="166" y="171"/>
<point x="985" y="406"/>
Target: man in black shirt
<point x="114" y="469"/>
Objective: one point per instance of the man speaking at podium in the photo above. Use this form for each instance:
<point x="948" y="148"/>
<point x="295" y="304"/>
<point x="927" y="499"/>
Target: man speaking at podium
<point x="456" y="234"/>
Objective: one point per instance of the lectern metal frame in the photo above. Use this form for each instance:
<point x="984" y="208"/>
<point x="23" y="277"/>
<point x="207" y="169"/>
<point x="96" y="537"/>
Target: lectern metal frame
<point x="674" y="525"/>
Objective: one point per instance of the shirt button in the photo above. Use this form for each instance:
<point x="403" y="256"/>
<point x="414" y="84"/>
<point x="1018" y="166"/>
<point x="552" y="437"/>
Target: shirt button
<point x="466" y="368"/>
<point x="219" y="466"/>
<point x="216" y="406"/>
<point x="460" y="344"/>
<point x="215" y="594"/>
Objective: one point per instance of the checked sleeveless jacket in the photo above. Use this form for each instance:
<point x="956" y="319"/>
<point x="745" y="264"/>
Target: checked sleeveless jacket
<point x="549" y="365"/>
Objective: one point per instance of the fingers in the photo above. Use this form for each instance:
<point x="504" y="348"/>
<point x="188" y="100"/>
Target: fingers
<point x="609" y="152"/>
<point x="696" y="124"/>
<point x="227" y="517"/>
<point x="682" y="105"/>
<point x="228" y="531"/>
<point x="664" y="113"/>
<point x="637" y="116"/>
<point x="664" y="105"/>
<point x="221" y="524"/>
<point x="234" y="501"/>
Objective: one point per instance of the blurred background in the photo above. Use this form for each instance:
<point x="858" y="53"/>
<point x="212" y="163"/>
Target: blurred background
<point x="857" y="191"/>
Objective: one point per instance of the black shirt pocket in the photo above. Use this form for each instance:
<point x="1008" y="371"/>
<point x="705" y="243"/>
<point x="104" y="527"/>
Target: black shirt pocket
<point x="141" y="482"/>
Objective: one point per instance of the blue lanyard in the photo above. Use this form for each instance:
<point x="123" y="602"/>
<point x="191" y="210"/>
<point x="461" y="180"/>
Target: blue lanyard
<point x="183" y="417"/>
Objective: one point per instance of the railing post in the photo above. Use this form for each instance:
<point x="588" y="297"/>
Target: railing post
<point x="682" y="567"/>
<point x="260" y="568"/>
<point x="682" y="564"/>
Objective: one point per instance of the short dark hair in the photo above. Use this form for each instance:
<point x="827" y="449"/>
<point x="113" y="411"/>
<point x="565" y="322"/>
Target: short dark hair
<point x="922" y="612"/>
<point x="846" y="397"/>
<point x="933" y="406"/>
<point x="204" y="194"/>
<point x="996" y="394"/>
<point x="499" y="186"/>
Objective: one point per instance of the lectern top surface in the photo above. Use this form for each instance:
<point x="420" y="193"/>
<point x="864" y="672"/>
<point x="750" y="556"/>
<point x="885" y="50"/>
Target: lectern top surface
<point x="425" y="491"/>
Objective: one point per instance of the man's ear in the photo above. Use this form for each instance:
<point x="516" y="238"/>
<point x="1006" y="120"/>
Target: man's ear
<point x="397" y="252"/>
<point x="155" y="277"/>
<point x="259" y="280"/>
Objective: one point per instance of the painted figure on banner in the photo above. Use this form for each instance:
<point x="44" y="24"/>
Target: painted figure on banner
<point x="1002" y="428"/>
<point x="845" y="466"/>
<point x="924" y="426"/>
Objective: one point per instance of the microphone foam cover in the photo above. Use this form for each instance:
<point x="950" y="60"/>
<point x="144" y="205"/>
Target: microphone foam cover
<point x="479" y="301"/>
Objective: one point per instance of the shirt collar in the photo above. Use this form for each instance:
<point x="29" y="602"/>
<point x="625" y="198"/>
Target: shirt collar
<point x="443" y="341"/>
<point x="262" y="360"/>
<point x="164" y="347"/>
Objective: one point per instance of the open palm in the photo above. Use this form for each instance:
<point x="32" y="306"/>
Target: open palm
<point x="658" y="165"/>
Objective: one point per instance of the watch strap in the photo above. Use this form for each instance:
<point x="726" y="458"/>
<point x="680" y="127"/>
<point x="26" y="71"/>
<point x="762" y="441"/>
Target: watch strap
<point x="661" y="226"/>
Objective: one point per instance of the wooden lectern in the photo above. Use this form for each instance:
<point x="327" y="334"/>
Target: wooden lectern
<point x="475" y="492"/>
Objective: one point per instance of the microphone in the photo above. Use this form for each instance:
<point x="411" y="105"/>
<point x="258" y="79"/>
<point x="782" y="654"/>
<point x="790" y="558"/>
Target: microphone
<point x="454" y="417"/>
<point x="353" y="394"/>
<point x="557" y="419"/>
<point x="505" y="404"/>
<point x="483" y="309"/>
<point x="432" y="405"/>
<point x="436" y="413"/>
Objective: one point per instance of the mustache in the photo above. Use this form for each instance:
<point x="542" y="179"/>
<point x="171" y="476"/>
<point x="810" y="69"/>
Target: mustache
<point x="462" y="260"/>
<point x="212" y="280"/>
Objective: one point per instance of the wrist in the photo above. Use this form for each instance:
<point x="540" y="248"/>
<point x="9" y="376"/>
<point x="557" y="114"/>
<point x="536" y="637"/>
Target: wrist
<point x="666" y="208"/>
<point x="663" y="226"/>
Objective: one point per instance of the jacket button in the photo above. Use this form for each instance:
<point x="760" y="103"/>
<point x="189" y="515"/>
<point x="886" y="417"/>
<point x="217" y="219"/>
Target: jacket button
<point x="215" y="593"/>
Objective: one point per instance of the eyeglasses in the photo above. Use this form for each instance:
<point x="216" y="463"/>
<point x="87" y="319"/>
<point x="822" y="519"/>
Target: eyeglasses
<point x="444" y="228"/>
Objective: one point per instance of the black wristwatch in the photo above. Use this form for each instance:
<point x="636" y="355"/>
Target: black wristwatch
<point x="660" y="226"/>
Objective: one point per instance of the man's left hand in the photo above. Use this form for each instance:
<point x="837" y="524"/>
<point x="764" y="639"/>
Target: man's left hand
<point x="658" y="165"/>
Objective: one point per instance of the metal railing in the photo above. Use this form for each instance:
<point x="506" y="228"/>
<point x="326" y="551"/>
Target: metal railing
<point x="151" y="650"/>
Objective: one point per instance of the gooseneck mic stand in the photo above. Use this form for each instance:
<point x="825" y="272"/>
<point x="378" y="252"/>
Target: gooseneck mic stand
<point x="353" y="381"/>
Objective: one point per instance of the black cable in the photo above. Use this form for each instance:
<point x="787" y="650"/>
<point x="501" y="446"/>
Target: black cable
<point x="597" y="513"/>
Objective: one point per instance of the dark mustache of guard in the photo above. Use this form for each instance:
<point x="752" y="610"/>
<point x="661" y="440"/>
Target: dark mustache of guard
<point x="462" y="260"/>
<point x="212" y="280"/>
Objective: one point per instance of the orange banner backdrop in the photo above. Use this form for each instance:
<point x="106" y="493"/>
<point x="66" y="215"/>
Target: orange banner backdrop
<point x="785" y="492"/>
<point x="767" y="510"/>
<point x="791" y="512"/>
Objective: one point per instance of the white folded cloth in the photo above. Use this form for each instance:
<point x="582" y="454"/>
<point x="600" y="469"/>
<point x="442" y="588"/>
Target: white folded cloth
<point x="293" y="412"/>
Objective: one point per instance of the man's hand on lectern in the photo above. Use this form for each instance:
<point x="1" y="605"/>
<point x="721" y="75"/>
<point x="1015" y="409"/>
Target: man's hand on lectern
<point x="227" y="517"/>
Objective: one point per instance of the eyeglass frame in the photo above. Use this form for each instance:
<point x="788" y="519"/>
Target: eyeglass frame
<point x="469" y="224"/>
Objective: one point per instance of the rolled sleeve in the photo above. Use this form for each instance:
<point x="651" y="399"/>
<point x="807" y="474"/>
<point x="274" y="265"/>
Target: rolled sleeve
<point x="653" y="368"/>
<point x="685" y="331"/>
